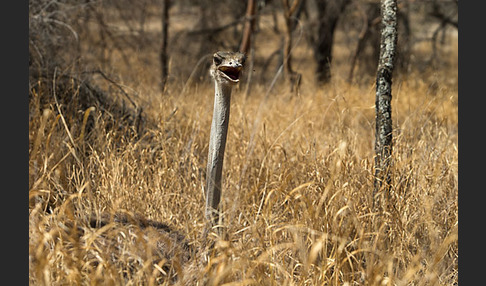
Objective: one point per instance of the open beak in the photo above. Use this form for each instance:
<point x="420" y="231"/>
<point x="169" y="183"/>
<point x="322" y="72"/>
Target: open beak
<point x="231" y="73"/>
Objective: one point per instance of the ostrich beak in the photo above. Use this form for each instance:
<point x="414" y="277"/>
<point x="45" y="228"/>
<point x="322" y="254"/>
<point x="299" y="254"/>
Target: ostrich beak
<point x="231" y="73"/>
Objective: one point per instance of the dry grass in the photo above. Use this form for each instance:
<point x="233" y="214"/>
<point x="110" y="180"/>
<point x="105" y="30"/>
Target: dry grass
<point x="297" y="189"/>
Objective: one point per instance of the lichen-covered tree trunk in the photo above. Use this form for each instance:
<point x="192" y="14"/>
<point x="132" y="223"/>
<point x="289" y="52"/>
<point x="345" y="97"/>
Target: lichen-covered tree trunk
<point x="383" y="136"/>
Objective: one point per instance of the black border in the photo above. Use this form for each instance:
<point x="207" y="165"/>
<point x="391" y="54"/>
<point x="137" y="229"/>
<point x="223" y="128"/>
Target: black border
<point x="471" y="144"/>
<point x="15" y="139"/>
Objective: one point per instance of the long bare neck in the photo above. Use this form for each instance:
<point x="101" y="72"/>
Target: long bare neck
<point x="217" y="143"/>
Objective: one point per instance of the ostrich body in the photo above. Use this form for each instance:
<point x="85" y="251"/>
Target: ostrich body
<point x="225" y="71"/>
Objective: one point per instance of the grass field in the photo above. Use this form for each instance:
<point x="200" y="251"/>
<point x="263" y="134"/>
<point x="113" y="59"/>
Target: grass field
<point x="297" y="179"/>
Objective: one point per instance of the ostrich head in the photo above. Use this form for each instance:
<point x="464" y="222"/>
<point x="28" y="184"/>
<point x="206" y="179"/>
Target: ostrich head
<point x="227" y="66"/>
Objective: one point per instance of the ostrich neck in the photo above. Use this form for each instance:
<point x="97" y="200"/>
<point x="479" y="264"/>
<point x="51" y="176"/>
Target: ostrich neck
<point x="217" y="143"/>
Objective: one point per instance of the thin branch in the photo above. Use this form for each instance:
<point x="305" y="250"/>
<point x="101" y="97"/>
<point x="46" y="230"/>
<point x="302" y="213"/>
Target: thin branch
<point x="120" y="86"/>
<point x="436" y="13"/>
<point x="220" y="28"/>
<point x="294" y="7"/>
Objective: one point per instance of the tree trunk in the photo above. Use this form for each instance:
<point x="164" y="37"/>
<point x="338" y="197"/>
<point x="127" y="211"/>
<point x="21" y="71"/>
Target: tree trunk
<point x="248" y="28"/>
<point x="367" y="37"/>
<point x="289" y="12"/>
<point x="383" y="135"/>
<point x="163" y="47"/>
<point x="328" y="16"/>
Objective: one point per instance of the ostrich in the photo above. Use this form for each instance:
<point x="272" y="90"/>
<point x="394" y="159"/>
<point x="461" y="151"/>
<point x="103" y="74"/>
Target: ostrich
<point x="225" y="71"/>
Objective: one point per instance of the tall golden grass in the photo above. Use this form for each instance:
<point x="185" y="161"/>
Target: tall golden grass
<point x="297" y="198"/>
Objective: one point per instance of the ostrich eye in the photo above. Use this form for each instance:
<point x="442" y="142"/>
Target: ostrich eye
<point x="217" y="60"/>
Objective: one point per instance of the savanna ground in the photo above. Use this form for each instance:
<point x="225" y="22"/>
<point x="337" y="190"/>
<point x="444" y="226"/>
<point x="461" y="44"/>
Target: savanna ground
<point x="297" y="179"/>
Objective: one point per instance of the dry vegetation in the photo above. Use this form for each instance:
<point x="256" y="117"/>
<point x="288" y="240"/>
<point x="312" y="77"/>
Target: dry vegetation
<point x="297" y="184"/>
